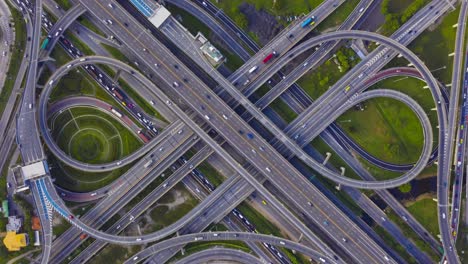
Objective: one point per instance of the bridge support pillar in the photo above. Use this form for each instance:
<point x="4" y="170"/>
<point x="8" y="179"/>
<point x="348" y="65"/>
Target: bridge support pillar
<point x="342" y="170"/>
<point x="452" y="54"/>
<point x="449" y="85"/>
<point x="338" y="187"/>
<point x="436" y="163"/>
<point x="456" y="25"/>
<point x="410" y="64"/>
<point x="425" y="87"/>
<point x="117" y="76"/>
<point x="326" y="158"/>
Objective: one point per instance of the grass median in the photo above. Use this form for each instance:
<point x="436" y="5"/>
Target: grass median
<point x="17" y="51"/>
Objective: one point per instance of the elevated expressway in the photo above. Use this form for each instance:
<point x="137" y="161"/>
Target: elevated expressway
<point x="219" y="236"/>
<point x="77" y="63"/>
<point x="295" y="94"/>
<point x="90" y="60"/>
<point x="44" y="183"/>
<point x="27" y="135"/>
<point x="55" y="149"/>
<point x="449" y="146"/>
<point x="220" y="254"/>
<point x="337" y="132"/>
<point x="61" y="25"/>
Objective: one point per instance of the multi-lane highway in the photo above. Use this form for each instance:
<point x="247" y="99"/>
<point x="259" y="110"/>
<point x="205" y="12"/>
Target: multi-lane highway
<point x="219" y="236"/>
<point x="121" y="37"/>
<point x="449" y="144"/>
<point x="206" y="108"/>
<point x="220" y="254"/>
<point x="27" y="134"/>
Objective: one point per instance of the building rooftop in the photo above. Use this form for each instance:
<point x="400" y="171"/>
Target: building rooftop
<point x="5" y="209"/>
<point x="159" y="16"/>
<point x="212" y="52"/>
<point x="14" y="223"/>
<point x="33" y="170"/>
<point x="14" y="242"/>
<point x="35" y="223"/>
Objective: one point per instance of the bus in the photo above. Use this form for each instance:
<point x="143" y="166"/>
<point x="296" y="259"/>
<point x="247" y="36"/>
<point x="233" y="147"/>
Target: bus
<point x="45" y="43"/>
<point x="115" y="112"/>
<point x="118" y="95"/>
<point x="308" y="21"/>
<point x="143" y="137"/>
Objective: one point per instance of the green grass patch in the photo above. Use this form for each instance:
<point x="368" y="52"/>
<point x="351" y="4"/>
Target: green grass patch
<point x="116" y="53"/>
<point x="64" y="4"/>
<point x="211" y="173"/>
<point x="433" y="47"/>
<point x="387" y="129"/>
<point x="336" y="18"/>
<point x="413" y="88"/>
<point x="277" y="8"/>
<point x="96" y="127"/>
<point x="87" y="135"/>
<point x="397" y="6"/>
<point x="166" y="214"/>
<point x="59" y="229"/>
<point x="392" y="243"/>
<point x="316" y="82"/>
<point x="335" y="160"/>
<point x="90" y="25"/>
<point x="16" y="50"/>
<point x="399" y="12"/>
<point x="114" y="254"/>
<point x="283" y="110"/>
<point x="424" y="211"/>
<point x="409" y="233"/>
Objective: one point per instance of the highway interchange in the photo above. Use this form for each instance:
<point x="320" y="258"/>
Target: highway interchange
<point x="263" y="159"/>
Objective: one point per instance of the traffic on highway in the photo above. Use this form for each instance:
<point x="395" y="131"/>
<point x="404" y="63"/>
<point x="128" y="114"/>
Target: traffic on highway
<point x="192" y="131"/>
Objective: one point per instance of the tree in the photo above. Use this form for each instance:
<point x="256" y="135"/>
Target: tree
<point x="405" y="188"/>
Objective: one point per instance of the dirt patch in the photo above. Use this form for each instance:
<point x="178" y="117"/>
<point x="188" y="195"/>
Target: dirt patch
<point x="260" y="22"/>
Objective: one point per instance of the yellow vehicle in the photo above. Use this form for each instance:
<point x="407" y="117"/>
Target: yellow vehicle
<point x="454" y="233"/>
<point x="124" y="104"/>
<point x="264" y="202"/>
<point x="347" y="88"/>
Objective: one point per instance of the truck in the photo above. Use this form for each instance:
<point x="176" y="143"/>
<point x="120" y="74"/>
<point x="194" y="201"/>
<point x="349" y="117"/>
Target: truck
<point x="143" y="137"/>
<point x="147" y="164"/>
<point x="308" y="21"/>
<point x="254" y="68"/>
<point x="115" y="112"/>
<point x="268" y="58"/>
<point x="45" y="43"/>
<point x="118" y="95"/>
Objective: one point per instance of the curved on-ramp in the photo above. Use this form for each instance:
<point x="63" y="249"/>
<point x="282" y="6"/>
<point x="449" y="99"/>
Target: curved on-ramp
<point x="288" y="142"/>
<point x="220" y="254"/>
<point x="55" y="149"/>
<point x="239" y="236"/>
